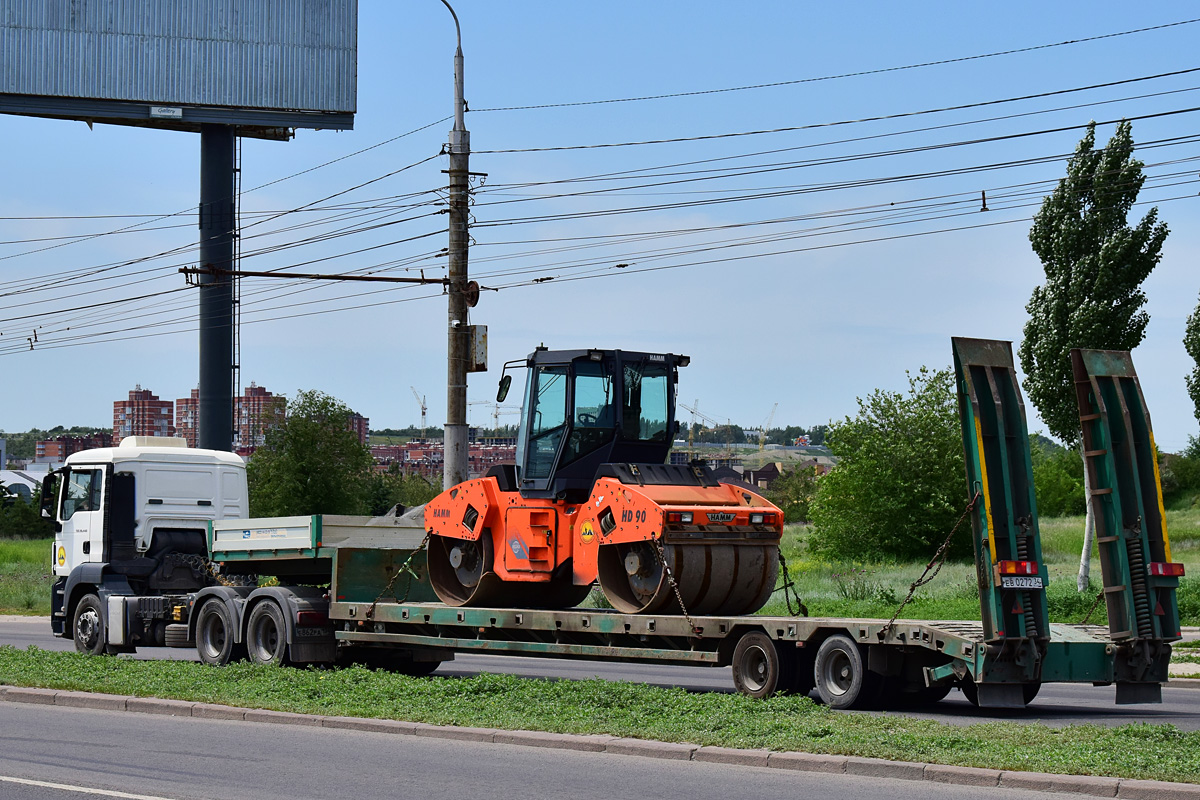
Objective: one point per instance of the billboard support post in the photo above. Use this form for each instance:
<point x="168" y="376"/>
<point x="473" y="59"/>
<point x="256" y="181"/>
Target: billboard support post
<point x="217" y="229"/>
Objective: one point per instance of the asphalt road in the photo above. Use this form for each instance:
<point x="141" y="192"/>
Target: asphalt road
<point x="1056" y="705"/>
<point x="183" y="758"/>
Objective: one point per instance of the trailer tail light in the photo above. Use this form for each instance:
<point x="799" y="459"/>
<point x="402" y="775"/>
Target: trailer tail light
<point x="1166" y="569"/>
<point x="312" y="619"/>
<point x="1018" y="567"/>
<point x="762" y="518"/>
<point x="679" y="517"/>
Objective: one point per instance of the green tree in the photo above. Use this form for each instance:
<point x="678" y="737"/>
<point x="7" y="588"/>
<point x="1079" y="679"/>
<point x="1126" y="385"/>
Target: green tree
<point x="386" y="489"/>
<point x="20" y="519"/>
<point x="897" y="489"/>
<point x="1191" y="343"/>
<point x="312" y="464"/>
<point x="1057" y="478"/>
<point x="1095" y="263"/>
<point x="793" y="491"/>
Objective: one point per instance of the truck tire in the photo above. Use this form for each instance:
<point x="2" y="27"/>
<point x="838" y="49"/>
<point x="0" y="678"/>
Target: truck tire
<point x="215" y="633"/>
<point x="840" y="673"/>
<point x="266" y="635"/>
<point x="87" y="626"/>
<point x="758" y="670"/>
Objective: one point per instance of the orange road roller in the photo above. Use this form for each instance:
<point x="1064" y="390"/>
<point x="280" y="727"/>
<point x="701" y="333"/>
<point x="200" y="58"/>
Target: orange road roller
<point x="591" y="499"/>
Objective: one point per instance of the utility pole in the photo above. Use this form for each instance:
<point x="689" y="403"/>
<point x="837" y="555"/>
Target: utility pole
<point x="455" y="463"/>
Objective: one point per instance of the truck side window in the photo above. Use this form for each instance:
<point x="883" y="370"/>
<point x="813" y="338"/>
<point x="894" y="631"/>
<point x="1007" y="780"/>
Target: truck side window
<point x="81" y="493"/>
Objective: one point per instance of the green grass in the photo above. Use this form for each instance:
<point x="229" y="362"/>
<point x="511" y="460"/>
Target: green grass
<point x="595" y="706"/>
<point x="25" y="576"/>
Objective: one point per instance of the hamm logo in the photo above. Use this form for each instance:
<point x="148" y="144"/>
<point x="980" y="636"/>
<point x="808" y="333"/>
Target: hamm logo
<point x="721" y="518"/>
<point x="441" y="512"/>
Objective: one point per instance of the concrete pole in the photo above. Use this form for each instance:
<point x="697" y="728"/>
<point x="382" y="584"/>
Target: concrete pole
<point x="457" y="452"/>
<point x="217" y="222"/>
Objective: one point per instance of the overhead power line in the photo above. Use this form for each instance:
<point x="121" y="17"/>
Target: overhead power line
<point x="839" y="76"/>
<point x="817" y="125"/>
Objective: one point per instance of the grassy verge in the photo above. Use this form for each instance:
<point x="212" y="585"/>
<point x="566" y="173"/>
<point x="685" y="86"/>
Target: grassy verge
<point x="25" y="576"/>
<point x="626" y="709"/>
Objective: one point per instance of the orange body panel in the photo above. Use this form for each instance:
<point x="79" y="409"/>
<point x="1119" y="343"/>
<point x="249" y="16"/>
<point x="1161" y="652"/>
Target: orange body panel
<point x="531" y="537"/>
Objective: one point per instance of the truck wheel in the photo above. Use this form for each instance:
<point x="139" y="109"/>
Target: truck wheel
<point x="757" y="667"/>
<point x="266" y="635"/>
<point x="215" y="635"/>
<point x="840" y="673"/>
<point x="87" y="628"/>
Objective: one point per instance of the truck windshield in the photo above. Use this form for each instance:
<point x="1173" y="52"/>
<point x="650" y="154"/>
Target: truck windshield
<point x="645" y="402"/>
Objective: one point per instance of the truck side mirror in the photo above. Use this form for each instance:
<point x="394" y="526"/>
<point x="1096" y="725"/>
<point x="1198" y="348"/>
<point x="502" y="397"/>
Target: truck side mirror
<point x="49" y="494"/>
<point x="502" y="392"/>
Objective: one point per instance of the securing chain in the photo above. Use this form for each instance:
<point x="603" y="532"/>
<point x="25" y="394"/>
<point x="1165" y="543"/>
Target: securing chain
<point x="789" y="588"/>
<point x="407" y="571"/>
<point x="935" y="564"/>
<point x="662" y="559"/>
<point x="203" y="565"/>
<point x="1095" y="603"/>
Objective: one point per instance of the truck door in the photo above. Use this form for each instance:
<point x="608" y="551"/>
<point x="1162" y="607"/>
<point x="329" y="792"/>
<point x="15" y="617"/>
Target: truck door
<point x="81" y="539"/>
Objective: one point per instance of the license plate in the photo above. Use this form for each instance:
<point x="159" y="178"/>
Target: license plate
<point x="1020" y="581"/>
<point x="311" y="633"/>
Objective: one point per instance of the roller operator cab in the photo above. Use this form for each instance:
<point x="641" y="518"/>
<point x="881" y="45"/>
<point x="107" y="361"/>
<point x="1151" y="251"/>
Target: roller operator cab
<point x="592" y="499"/>
<point x="131" y="521"/>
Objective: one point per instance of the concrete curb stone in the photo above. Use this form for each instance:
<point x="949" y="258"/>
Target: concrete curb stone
<point x="457" y="733"/>
<point x="215" y="711"/>
<point x="100" y="702"/>
<point x="882" y="768"/>
<point x="370" y="725"/>
<point x="153" y="705"/>
<point x="732" y="755"/>
<point x="645" y="747"/>
<point x="19" y="694"/>
<point x="962" y="776"/>
<point x="282" y="717"/>
<point x="1157" y="790"/>
<point x="1049" y="782"/>
<point x="561" y="741"/>
<point x="808" y="762"/>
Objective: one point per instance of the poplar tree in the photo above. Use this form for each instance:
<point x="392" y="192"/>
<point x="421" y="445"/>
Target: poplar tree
<point x="1095" y="263"/>
<point x="1191" y="343"/>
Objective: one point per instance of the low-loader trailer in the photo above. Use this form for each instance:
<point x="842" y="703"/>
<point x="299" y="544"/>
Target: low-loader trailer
<point x="168" y="558"/>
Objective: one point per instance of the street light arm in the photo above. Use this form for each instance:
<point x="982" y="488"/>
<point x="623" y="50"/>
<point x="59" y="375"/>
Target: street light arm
<point x="460" y="104"/>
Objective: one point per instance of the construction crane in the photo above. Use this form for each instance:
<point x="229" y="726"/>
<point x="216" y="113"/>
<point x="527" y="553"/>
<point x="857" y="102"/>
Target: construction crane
<point x="498" y="410"/>
<point x="766" y="426"/>
<point x="712" y="423"/>
<point x="424" y="408"/>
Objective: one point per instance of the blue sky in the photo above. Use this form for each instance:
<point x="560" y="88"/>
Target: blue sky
<point x="775" y="292"/>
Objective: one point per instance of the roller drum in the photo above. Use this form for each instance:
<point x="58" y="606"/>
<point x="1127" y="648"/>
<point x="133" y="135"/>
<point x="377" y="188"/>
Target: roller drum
<point x="720" y="579"/>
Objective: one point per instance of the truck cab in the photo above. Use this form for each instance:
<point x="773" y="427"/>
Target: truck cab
<point x="132" y="520"/>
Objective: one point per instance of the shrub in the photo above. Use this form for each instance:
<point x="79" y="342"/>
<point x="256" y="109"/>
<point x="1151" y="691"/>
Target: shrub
<point x="898" y="488"/>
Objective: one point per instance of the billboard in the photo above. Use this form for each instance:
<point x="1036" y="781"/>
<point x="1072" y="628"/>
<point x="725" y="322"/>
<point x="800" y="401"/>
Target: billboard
<point x="263" y="65"/>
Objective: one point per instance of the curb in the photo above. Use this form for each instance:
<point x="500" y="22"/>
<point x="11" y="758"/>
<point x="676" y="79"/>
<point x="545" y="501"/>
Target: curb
<point x="1122" y="788"/>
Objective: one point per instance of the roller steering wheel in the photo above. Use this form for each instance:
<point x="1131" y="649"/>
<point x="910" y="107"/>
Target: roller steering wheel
<point x="586" y="419"/>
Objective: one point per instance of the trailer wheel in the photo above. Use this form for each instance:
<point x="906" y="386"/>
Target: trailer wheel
<point x="266" y="635"/>
<point x="87" y="627"/>
<point x="840" y="673"/>
<point x="215" y="635"/>
<point x="757" y="668"/>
